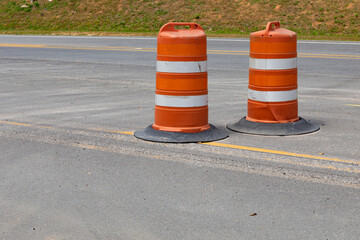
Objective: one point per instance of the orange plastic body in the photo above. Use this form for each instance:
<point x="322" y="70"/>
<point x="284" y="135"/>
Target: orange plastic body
<point x="181" y="45"/>
<point x="273" y="43"/>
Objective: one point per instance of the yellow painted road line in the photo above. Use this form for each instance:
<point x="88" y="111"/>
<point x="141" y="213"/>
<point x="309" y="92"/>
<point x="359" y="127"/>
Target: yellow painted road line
<point x="16" y="123"/>
<point x="41" y="126"/>
<point x="127" y="133"/>
<point x="335" y="57"/>
<point x="325" y="54"/>
<point x="217" y="144"/>
<point x="137" y="49"/>
<point x="107" y="149"/>
<point x="22" y="45"/>
<point x="70" y="46"/>
<point x="263" y="150"/>
<point x="101" y="48"/>
<point x="110" y="131"/>
<point x="353" y="105"/>
<point x="24" y="124"/>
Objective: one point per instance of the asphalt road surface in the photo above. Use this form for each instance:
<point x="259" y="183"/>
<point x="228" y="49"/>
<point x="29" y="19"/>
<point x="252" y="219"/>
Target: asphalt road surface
<point x="70" y="167"/>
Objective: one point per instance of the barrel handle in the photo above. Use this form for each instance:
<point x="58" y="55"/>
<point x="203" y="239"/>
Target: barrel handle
<point x="269" y="26"/>
<point x="171" y="26"/>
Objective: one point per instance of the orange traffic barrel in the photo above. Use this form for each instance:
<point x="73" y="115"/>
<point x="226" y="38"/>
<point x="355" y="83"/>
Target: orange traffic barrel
<point x="181" y="96"/>
<point x="272" y="91"/>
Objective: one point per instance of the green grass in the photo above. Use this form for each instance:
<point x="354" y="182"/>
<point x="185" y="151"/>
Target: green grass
<point x="317" y="19"/>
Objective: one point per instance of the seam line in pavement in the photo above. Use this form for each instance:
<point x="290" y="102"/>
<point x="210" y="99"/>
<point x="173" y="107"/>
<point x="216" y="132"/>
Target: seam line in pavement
<point x="263" y="150"/>
<point x="217" y="144"/>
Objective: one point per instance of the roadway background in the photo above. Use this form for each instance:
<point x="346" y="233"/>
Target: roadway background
<point x="70" y="167"/>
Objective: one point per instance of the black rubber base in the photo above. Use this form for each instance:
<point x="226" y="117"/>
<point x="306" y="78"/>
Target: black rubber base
<point x="273" y="129"/>
<point x="150" y="134"/>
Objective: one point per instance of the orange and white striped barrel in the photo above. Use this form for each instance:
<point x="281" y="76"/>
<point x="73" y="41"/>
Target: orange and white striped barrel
<point x="272" y="90"/>
<point x="181" y="96"/>
<point x="181" y="101"/>
<point x="272" y="94"/>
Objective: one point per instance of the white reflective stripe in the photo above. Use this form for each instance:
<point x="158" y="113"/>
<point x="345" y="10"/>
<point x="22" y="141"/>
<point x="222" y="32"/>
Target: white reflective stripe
<point x="273" y="64"/>
<point x="181" y="67"/>
<point x="272" y="96"/>
<point x="181" y="101"/>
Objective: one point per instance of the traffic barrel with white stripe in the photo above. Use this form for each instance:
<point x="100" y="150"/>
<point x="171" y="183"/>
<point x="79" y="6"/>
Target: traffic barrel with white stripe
<point x="272" y="91"/>
<point x="181" y="97"/>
